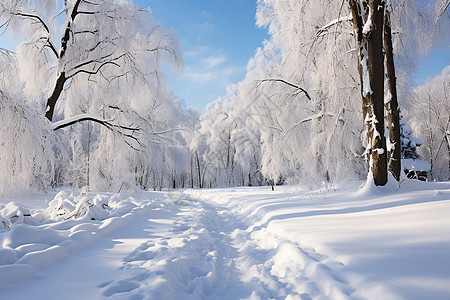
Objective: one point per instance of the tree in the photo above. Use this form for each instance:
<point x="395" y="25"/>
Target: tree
<point x="303" y="93"/>
<point x="31" y="154"/>
<point x="391" y="103"/>
<point x="302" y="84"/>
<point x="368" y="41"/>
<point x="430" y="113"/>
<point x="97" y="37"/>
<point x="229" y="143"/>
<point x="98" y="61"/>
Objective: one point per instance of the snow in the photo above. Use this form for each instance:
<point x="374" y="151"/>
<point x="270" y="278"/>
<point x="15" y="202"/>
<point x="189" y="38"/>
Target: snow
<point x="416" y="164"/>
<point x="387" y="98"/>
<point x="235" y="243"/>
<point x="368" y="25"/>
<point x="367" y="89"/>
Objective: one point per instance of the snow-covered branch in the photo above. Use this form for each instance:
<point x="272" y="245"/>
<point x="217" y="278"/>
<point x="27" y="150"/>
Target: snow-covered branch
<point x="44" y="25"/>
<point x="89" y="117"/>
<point x="333" y="23"/>
<point x="442" y="10"/>
<point x="287" y="83"/>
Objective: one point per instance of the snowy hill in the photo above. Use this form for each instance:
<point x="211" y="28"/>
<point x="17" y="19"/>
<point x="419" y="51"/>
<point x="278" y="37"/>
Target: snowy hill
<point x="241" y="243"/>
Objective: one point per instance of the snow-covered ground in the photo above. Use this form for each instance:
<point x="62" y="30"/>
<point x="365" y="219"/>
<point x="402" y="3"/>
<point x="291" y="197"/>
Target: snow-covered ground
<point x="291" y="243"/>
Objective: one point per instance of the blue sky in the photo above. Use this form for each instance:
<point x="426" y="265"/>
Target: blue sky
<point x="218" y="37"/>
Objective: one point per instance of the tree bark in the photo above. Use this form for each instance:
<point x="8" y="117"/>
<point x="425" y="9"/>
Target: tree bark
<point x="371" y="71"/>
<point x="59" y="86"/>
<point x="51" y="101"/>
<point x="358" y="27"/>
<point x="394" y="153"/>
<point x="375" y="63"/>
<point x="200" y="182"/>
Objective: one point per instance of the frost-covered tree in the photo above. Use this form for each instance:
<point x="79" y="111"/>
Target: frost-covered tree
<point x="308" y="69"/>
<point x="9" y="73"/>
<point x="232" y="154"/>
<point x="301" y="86"/>
<point x="99" y="61"/>
<point x="64" y="39"/>
<point x="430" y="114"/>
<point x="31" y="155"/>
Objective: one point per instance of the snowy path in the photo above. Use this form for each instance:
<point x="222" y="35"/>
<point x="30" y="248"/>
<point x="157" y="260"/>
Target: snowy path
<point x="239" y="244"/>
<point x="192" y="260"/>
<point x="195" y="249"/>
<point x="210" y="254"/>
<point x="273" y="267"/>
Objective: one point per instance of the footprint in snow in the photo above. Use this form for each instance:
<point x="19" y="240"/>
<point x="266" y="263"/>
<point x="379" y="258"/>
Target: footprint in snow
<point x="121" y="286"/>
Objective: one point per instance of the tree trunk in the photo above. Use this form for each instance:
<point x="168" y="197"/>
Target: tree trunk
<point x="394" y="151"/>
<point x="358" y="24"/>
<point x="369" y="40"/>
<point x="375" y="63"/>
<point x="200" y="182"/>
<point x="51" y="101"/>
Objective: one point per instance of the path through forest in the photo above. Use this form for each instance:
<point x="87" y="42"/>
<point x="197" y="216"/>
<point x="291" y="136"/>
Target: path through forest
<point x="213" y="253"/>
<point x="244" y="243"/>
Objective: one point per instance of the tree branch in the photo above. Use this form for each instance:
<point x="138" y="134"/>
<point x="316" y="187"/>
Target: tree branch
<point x="332" y="23"/>
<point x="106" y="123"/>
<point x="90" y="117"/>
<point x="39" y="19"/>
<point x="289" y="84"/>
<point x="94" y="71"/>
<point x="441" y="11"/>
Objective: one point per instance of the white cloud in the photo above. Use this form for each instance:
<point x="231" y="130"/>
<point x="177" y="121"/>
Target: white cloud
<point x="206" y="67"/>
<point x="213" y="61"/>
<point x="197" y="51"/>
<point x="222" y="74"/>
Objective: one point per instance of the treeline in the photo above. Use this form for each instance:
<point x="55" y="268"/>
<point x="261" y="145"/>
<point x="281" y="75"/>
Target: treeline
<point x="97" y="112"/>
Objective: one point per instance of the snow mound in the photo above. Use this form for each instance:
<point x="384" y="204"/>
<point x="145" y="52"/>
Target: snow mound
<point x="30" y="239"/>
<point x="65" y="207"/>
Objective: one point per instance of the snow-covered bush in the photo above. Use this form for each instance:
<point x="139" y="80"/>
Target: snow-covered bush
<point x="65" y="207"/>
<point x="12" y="214"/>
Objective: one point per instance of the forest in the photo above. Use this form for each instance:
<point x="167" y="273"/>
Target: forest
<point x="327" y="99"/>
<point x="323" y="173"/>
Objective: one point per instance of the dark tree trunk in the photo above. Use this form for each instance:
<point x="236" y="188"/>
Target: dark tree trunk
<point x="200" y="181"/>
<point x="394" y="153"/>
<point x="51" y="101"/>
<point x="375" y="63"/>
<point x="59" y="86"/>
<point x="358" y="24"/>
<point x="371" y="63"/>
